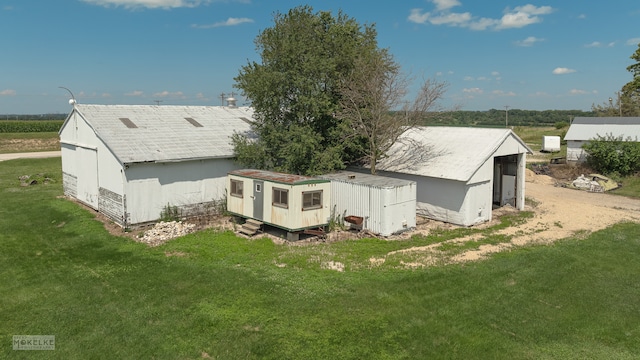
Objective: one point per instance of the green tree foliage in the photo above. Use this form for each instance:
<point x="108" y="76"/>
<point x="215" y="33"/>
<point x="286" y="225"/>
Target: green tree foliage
<point x="613" y="155"/>
<point x="627" y="101"/>
<point x="295" y="92"/>
<point x="630" y="94"/>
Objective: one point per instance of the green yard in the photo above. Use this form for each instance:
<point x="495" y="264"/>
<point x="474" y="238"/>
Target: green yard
<point x="214" y="295"/>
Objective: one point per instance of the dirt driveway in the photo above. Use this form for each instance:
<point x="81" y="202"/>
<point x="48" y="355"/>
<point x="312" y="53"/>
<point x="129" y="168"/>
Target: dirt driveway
<point x="559" y="213"/>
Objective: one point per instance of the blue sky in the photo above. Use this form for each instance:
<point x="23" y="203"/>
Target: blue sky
<point x="530" y="54"/>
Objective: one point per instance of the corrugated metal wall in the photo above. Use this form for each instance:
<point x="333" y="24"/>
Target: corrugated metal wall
<point x="386" y="210"/>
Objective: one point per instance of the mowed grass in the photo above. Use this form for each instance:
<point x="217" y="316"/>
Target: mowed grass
<point x="214" y="295"/>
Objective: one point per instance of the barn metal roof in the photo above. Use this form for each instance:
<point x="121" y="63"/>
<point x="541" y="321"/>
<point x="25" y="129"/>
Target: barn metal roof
<point x="587" y="128"/>
<point x="165" y="133"/>
<point x="367" y="179"/>
<point x="454" y="153"/>
<point x="277" y="177"/>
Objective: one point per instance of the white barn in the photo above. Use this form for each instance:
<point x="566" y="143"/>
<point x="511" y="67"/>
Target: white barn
<point x="584" y="129"/>
<point x="461" y="173"/>
<point x="130" y="162"/>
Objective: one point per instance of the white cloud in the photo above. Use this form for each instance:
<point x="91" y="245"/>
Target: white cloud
<point x="442" y="5"/>
<point x="503" y="93"/>
<point x="151" y="4"/>
<point x="519" y="17"/>
<point x="598" y="44"/>
<point x="522" y="16"/>
<point x="106" y="95"/>
<point x="473" y="91"/>
<point x="633" y="41"/>
<point x="495" y="73"/>
<point x="164" y="94"/>
<point x="8" y="92"/>
<point x="468" y="78"/>
<point x="582" y="16"/>
<point x="228" y="22"/>
<point x="578" y="92"/>
<point x="562" y="71"/>
<point x="135" y="93"/>
<point x="530" y="41"/>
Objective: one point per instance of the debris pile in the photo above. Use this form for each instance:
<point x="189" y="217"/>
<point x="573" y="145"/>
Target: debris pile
<point x="541" y="169"/>
<point x="26" y="180"/>
<point x="165" y="231"/>
<point x="594" y="183"/>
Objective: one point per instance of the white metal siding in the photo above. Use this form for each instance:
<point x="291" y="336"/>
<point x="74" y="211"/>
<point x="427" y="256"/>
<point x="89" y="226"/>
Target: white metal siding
<point x="575" y="152"/>
<point x="386" y="210"/>
<point x="152" y="187"/>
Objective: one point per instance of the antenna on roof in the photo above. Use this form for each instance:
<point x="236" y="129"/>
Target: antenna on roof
<point x="157" y="102"/>
<point x="72" y="101"/>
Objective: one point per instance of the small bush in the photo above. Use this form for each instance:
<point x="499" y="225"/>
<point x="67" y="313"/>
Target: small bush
<point x="561" y="125"/>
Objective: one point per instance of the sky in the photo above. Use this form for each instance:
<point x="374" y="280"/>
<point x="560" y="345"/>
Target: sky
<point x="499" y="54"/>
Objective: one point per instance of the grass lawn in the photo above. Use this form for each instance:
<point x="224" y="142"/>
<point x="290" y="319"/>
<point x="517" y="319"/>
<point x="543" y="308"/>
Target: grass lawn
<point x="212" y="294"/>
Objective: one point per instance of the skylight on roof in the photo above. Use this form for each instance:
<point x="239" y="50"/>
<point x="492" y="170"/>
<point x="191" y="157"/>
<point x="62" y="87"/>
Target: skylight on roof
<point x="128" y="123"/>
<point x="193" y="122"/>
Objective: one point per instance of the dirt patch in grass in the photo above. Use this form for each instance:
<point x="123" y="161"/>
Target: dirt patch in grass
<point x="29" y="145"/>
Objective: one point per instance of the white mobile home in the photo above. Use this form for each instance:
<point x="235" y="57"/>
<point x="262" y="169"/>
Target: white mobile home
<point x="130" y="162"/>
<point x="461" y="173"/>
<point x="290" y="202"/>
<point x="383" y="205"/>
<point x="584" y="129"/>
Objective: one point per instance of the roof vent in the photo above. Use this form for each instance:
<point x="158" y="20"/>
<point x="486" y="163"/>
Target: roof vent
<point x="231" y="101"/>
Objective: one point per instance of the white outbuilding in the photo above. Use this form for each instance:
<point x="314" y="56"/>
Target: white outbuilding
<point x="131" y="162"/>
<point x="461" y="173"/>
<point x="379" y="204"/>
<point x="585" y="129"/>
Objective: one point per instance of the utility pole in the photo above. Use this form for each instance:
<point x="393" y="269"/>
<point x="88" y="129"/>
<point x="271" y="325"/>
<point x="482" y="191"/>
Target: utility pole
<point x="222" y="98"/>
<point x="157" y="102"/>
<point x="506" y="116"/>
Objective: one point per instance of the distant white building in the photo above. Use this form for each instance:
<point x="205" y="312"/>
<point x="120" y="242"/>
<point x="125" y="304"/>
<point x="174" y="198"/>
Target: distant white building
<point x="130" y="162"/>
<point x="584" y="129"/>
<point x="461" y="173"/>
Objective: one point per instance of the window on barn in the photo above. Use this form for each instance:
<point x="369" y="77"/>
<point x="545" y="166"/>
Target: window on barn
<point x="237" y="187"/>
<point x="311" y="200"/>
<point x="280" y="198"/>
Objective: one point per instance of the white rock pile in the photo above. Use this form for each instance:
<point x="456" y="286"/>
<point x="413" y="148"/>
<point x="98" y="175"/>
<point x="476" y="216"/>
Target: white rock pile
<point x="165" y="231"/>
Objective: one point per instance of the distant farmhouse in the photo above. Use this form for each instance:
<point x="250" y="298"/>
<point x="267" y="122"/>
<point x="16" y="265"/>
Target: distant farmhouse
<point x="130" y="162"/>
<point x="461" y="173"/>
<point x="584" y="129"/>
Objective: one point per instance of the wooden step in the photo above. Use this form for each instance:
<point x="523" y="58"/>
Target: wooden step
<point x="246" y="231"/>
<point x="254" y="222"/>
<point x="251" y="226"/>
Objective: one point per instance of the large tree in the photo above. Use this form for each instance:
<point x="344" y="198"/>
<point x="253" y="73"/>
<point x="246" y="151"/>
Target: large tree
<point x="627" y="101"/>
<point x="374" y="106"/>
<point x="295" y="91"/>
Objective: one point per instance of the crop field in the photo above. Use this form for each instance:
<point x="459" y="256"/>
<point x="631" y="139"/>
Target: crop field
<point x="214" y="295"/>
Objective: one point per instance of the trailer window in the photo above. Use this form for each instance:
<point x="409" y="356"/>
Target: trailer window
<point x="311" y="200"/>
<point x="280" y="198"/>
<point x="236" y="188"/>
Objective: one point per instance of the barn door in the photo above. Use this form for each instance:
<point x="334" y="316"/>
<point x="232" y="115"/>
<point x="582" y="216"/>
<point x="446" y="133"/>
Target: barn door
<point x="87" y="166"/>
<point x="258" y="199"/>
